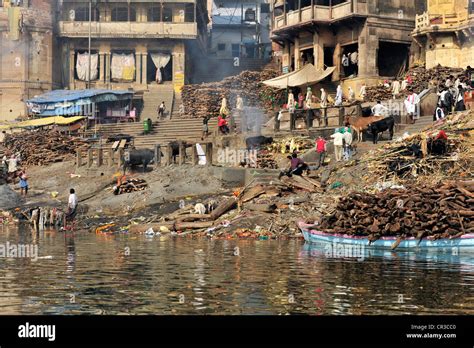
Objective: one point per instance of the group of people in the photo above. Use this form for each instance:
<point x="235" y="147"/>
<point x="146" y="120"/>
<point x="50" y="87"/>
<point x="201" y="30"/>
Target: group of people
<point x="9" y="168"/>
<point x="342" y="139"/>
<point x="225" y="120"/>
<point x="454" y="95"/>
<point x="350" y="63"/>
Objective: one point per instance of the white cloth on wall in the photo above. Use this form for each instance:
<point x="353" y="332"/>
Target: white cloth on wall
<point x="123" y="66"/>
<point x="82" y="66"/>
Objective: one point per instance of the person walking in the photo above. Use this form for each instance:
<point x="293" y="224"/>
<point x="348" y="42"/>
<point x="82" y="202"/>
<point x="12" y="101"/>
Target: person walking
<point x="321" y="150"/>
<point x="338" y="144"/>
<point x="205" y="127"/>
<point x="161" y="110"/>
<point x="222" y="124"/>
<point x="347" y="143"/>
<point x="71" y="206"/>
<point x="338" y="96"/>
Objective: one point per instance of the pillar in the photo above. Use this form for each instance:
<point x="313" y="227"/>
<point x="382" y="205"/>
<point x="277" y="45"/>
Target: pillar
<point x="209" y="154"/>
<point x="297" y="53"/>
<point x="157" y="154"/>
<point x="144" y="67"/>
<point x="102" y="67"/>
<point x="78" y="158"/>
<point x="317" y="52"/>
<point x="182" y="153"/>
<point x="100" y="157"/>
<point x="195" y="156"/>
<point x="107" y="67"/>
<point x="71" y="68"/>
<point x="111" y="158"/>
<point x="169" y="155"/>
<point x="90" y="157"/>
<point x="138" y="67"/>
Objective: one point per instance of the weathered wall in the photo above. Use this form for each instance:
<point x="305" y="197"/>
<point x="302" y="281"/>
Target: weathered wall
<point x="447" y="53"/>
<point x="26" y="57"/>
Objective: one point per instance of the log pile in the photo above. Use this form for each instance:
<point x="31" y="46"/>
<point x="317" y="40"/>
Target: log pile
<point x="420" y="156"/>
<point x="43" y="147"/>
<point x="266" y="159"/>
<point x="130" y="185"/>
<point x="288" y="145"/>
<point x="442" y="211"/>
<point x="205" y="99"/>
<point x="421" y="79"/>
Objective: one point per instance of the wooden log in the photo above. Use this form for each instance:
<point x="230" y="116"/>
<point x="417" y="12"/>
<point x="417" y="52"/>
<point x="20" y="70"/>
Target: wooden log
<point x="252" y="193"/>
<point x="142" y="228"/>
<point x="266" y="208"/>
<point x="192" y="225"/>
<point x="223" y="208"/>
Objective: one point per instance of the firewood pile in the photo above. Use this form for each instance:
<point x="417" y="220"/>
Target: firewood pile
<point x="255" y="211"/>
<point x="288" y="145"/>
<point x="445" y="210"/>
<point x="266" y="159"/>
<point x="43" y="147"/>
<point x="425" y="156"/>
<point x="130" y="185"/>
<point x="421" y="79"/>
<point x="205" y="99"/>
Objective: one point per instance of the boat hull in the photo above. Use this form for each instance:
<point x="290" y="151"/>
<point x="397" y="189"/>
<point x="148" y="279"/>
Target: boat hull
<point x="311" y="235"/>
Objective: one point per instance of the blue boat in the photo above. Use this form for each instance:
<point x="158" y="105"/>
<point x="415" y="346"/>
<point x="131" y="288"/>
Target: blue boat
<point x="312" y="235"/>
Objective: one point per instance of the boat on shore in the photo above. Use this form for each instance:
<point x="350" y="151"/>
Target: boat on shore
<point x="312" y="235"/>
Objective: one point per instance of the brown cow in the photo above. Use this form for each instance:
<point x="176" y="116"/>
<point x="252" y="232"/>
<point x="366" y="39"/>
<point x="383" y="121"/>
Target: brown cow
<point x="360" y="124"/>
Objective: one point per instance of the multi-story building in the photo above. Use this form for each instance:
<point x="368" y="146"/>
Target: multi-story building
<point x="240" y="29"/>
<point x="444" y="34"/>
<point x="321" y="31"/>
<point x="134" y="43"/>
<point x="26" y="53"/>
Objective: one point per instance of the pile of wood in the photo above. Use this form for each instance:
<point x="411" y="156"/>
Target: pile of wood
<point x="130" y="185"/>
<point x="205" y="99"/>
<point x="421" y="79"/>
<point x="255" y="211"/>
<point x="418" y="156"/>
<point x="266" y="159"/>
<point x="290" y="144"/>
<point x="442" y="211"/>
<point x="43" y="147"/>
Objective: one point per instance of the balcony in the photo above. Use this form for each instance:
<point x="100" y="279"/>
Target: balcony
<point x="320" y="13"/>
<point x="448" y="21"/>
<point x="128" y="30"/>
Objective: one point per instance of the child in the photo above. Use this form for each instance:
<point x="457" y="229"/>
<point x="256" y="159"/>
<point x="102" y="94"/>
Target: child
<point x="23" y="183"/>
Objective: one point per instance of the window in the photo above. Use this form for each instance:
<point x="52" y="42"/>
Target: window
<point x="154" y="14"/>
<point x="120" y="14"/>
<point x="189" y="13"/>
<point x="221" y="47"/>
<point x="235" y="50"/>
<point x="81" y="14"/>
<point x="167" y="14"/>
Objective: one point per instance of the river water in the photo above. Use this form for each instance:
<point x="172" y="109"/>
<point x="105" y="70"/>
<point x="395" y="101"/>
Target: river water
<point x="127" y="274"/>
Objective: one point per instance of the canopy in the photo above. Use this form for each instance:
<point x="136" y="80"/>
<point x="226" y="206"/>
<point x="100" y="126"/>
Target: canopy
<point x="45" y="121"/>
<point x="308" y="75"/>
<point x="92" y="95"/>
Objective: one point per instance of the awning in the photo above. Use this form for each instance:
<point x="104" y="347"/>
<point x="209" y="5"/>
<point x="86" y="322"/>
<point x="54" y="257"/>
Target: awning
<point x="91" y="95"/>
<point x="308" y="75"/>
<point x="46" y="121"/>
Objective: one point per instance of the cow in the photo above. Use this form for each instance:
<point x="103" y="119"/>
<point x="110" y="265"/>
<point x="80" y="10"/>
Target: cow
<point x="256" y="142"/>
<point x="381" y="125"/>
<point x="134" y="157"/>
<point x="360" y="124"/>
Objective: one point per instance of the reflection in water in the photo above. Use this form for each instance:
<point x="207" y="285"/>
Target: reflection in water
<point x="124" y="274"/>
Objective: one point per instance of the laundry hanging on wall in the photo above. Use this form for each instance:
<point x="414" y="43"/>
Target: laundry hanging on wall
<point x="160" y="60"/>
<point x="123" y="67"/>
<point x="82" y="66"/>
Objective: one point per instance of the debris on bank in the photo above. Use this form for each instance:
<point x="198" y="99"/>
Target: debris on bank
<point x="129" y="185"/>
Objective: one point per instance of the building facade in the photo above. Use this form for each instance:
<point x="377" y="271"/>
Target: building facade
<point x="240" y="29"/>
<point x="27" y="45"/>
<point x="444" y="34"/>
<point x="322" y="31"/>
<point x="134" y="43"/>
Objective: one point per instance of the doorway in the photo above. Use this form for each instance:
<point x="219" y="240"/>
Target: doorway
<point x="392" y="58"/>
<point x="166" y="72"/>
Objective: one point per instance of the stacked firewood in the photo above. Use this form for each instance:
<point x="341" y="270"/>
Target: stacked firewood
<point x="266" y="159"/>
<point x="43" y="147"/>
<point x="205" y="99"/>
<point x="130" y="185"/>
<point x="421" y="79"/>
<point x="442" y="211"/>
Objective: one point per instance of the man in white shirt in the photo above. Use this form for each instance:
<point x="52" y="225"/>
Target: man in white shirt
<point x="378" y="109"/>
<point x="71" y="205"/>
<point x="347" y="143"/>
<point x="338" y="143"/>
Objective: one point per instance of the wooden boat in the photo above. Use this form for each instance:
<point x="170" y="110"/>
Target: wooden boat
<point x="311" y="234"/>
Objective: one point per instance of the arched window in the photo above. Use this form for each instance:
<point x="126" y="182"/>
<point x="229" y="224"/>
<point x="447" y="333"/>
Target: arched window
<point x="154" y="14"/>
<point x="120" y="14"/>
